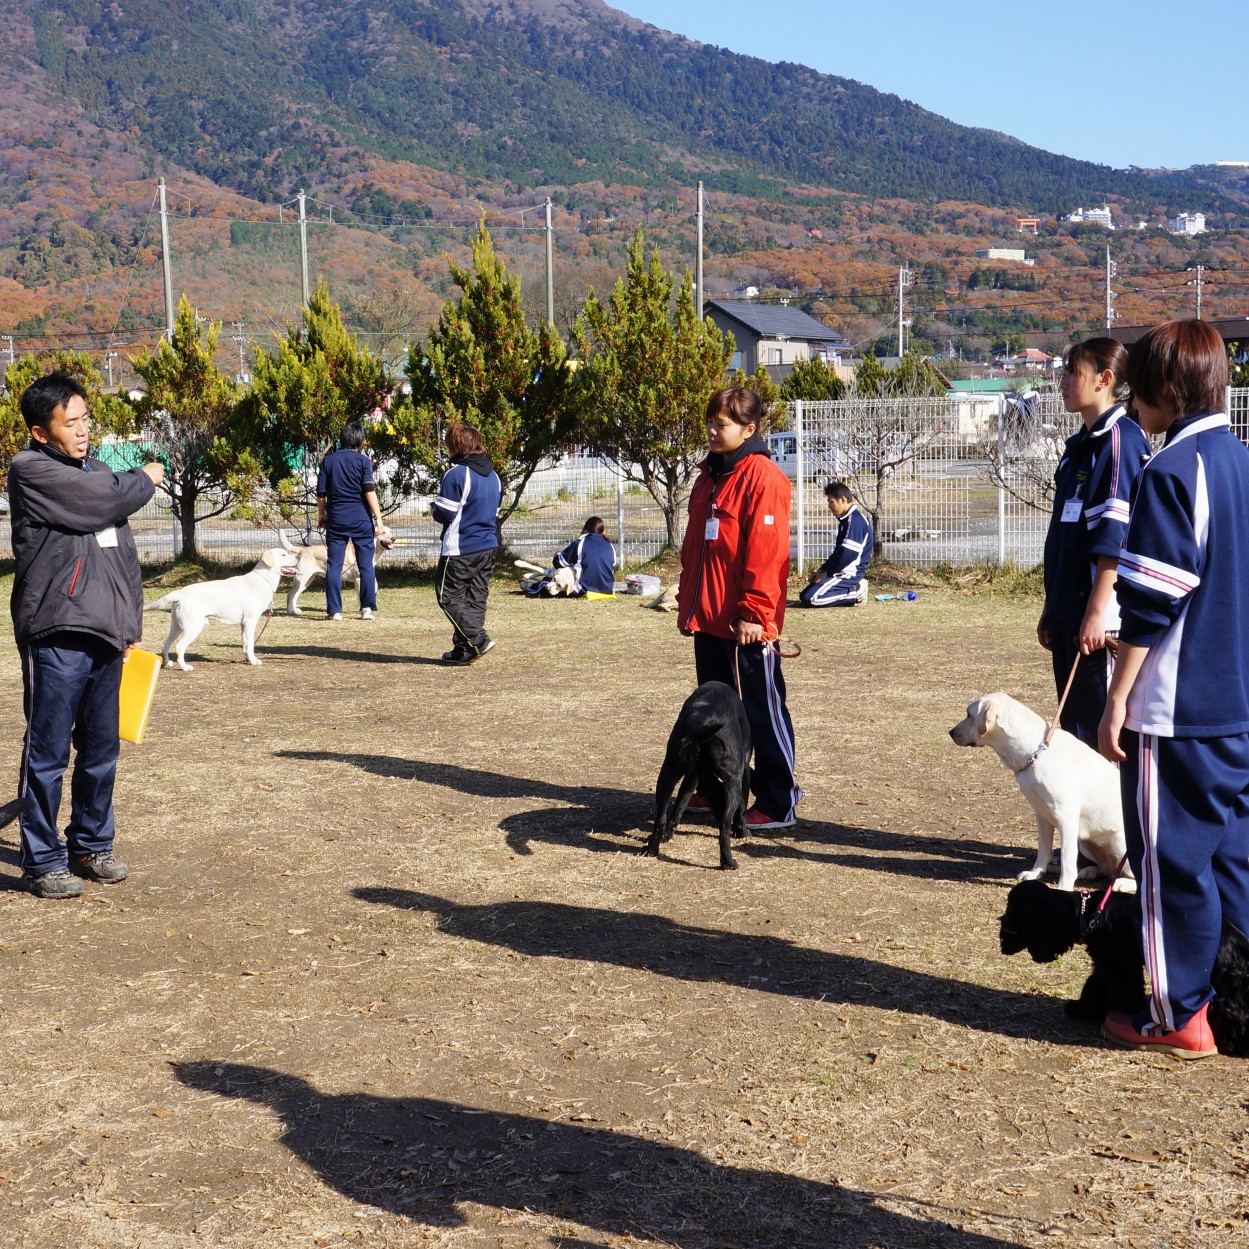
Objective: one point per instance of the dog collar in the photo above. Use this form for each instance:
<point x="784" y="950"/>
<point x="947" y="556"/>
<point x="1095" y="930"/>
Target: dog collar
<point x="1034" y="756"/>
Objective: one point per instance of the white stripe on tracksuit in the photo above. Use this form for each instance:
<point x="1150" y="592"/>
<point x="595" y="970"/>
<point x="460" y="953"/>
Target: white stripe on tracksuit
<point x="1151" y="889"/>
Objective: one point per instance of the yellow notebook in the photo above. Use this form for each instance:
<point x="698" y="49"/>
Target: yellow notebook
<point x="139" y="671"/>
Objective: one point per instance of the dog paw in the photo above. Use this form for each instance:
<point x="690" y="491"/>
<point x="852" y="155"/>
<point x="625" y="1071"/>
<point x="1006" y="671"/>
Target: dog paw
<point x="728" y="865"/>
<point x="1033" y="873"/>
<point x="1123" y="884"/>
<point x="651" y="849"/>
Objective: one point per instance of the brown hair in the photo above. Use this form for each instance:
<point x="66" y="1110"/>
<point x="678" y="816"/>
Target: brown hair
<point x="1182" y="365"/>
<point x="464" y="439"/>
<point x="739" y="403"/>
<point x="1100" y="354"/>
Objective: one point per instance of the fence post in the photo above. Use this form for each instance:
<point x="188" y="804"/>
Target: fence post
<point x="800" y="482"/>
<point x="1001" y="489"/>
<point x="620" y="558"/>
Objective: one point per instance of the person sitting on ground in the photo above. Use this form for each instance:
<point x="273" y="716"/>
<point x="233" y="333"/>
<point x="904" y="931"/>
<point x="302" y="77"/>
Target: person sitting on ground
<point x="841" y="580"/>
<point x="591" y="561"/>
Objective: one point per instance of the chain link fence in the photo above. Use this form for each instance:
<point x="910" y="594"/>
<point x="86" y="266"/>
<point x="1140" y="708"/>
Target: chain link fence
<point x="945" y="482"/>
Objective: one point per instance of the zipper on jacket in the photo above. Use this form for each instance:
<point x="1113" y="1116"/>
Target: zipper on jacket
<point x="73" y="581"/>
<point x="702" y="554"/>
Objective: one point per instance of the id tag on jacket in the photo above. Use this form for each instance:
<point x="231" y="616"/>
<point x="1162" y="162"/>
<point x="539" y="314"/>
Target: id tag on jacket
<point x="712" y="530"/>
<point x="1072" y="509"/>
<point x="107" y="537"/>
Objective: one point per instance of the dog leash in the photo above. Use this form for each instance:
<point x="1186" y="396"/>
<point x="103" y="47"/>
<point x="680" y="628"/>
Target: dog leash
<point x="1053" y="726"/>
<point x="774" y="643"/>
<point x="1091" y="923"/>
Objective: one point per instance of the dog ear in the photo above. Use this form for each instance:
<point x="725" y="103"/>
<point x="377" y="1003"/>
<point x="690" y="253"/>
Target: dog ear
<point x="986" y="716"/>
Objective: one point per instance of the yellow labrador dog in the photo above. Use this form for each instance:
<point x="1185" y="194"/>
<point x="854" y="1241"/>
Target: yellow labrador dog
<point x="1071" y="788"/>
<point x="238" y="600"/>
<point x="311" y="561"/>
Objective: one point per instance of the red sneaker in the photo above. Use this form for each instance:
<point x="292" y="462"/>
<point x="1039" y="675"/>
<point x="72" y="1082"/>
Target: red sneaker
<point x="698" y="805"/>
<point x="1193" y="1040"/>
<point x="757" y="821"/>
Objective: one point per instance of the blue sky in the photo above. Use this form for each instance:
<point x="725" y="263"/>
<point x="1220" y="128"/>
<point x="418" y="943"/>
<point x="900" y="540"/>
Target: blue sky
<point x="1119" y="83"/>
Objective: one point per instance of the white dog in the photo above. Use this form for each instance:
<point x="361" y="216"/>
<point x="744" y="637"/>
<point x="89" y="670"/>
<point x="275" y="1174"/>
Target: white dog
<point x="238" y="600"/>
<point x="1072" y="789"/>
<point x="560" y="581"/>
<point x="312" y="562"/>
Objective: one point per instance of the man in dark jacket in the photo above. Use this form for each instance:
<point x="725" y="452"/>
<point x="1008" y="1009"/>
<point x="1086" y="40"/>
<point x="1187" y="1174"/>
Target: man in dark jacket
<point x="77" y="607"/>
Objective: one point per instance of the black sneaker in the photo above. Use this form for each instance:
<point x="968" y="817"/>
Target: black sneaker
<point x="57" y="883"/>
<point x="102" y="868"/>
<point x="457" y="656"/>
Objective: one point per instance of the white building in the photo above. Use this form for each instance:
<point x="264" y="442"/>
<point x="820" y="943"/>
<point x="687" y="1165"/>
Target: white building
<point x="1188" y="223"/>
<point x="1097" y="216"/>
<point x="1005" y="253"/>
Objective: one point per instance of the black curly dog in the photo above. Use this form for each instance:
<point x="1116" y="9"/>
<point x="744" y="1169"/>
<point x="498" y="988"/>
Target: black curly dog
<point x="1048" y="922"/>
<point x="708" y="749"/>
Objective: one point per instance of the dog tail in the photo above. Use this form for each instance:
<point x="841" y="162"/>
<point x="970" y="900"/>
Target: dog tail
<point x="286" y="542"/>
<point x="11" y="810"/>
<point x="163" y="604"/>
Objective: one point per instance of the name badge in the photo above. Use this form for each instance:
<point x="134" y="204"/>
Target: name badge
<point x="713" y="529"/>
<point x="107" y="537"/>
<point x="1071" y="510"/>
<point x="767" y="520"/>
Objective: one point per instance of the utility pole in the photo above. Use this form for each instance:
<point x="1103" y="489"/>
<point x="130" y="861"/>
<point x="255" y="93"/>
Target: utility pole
<point x="303" y="247"/>
<point x="905" y="279"/>
<point x="108" y="363"/>
<point x="8" y="338"/>
<point x="1111" y="270"/>
<point x="550" y="272"/>
<point x="698" y="264"/>
<point x="1200" y="271"/>
<point x="164" y="251"/>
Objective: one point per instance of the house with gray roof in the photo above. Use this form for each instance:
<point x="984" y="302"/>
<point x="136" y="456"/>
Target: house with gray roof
<point x="774" y="335"/>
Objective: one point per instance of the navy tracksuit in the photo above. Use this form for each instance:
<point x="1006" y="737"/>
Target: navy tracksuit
<point x="846" y="566"/>
<point x="592" y="559"/>
<point x="1183" y="595"/>
<point x="1092" y="488"/>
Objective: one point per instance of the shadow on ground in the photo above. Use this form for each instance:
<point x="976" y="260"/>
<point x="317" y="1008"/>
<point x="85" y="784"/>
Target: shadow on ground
<point x="595" y="818"/>
<point x="421" y="1157"/>
<point x="665" y="947"/>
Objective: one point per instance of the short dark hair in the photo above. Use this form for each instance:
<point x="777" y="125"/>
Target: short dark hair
<point x="464" y="439"/>
<point x="739" y="403"/>
<point x="1100" y="354"/>
<point x="43" y="396"/>
<point x="838" y="490"/>
<point x="352" y="437"/>
<point x="594" y="525"/>
<point x="1182" y="365"/>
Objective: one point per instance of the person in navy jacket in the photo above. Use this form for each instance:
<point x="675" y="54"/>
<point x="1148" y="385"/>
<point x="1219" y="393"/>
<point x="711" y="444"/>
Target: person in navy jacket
<point x="841" y="580"/>
<point x="467" y="508"/>
<point x="348" y="511"/>
<point x="1092" y="486"/>
<point x="592" y="559"/>
<point x="1177" y="711"/>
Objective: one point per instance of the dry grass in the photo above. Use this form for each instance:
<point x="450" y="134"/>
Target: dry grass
<point x="390" y="972"/>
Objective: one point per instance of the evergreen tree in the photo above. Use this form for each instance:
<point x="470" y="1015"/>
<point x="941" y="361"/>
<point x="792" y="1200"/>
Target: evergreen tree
<point x="813" y="380"/>
<point x="483" y="364"/>
<point x="109" y="414"/>
<point x="303" y="394"/>
<point x="189" y="412"/>
<point x="648" y="368"/>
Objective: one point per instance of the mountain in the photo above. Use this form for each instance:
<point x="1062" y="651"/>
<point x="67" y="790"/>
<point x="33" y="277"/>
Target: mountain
<point x="265" y="96"/>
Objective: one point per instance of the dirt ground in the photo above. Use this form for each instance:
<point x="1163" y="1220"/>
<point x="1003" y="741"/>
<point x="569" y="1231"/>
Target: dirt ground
<point x="389" y="970"/>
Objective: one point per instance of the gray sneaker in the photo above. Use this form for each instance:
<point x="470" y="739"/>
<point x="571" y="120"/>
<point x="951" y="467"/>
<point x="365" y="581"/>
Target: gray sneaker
<point x="57" y="883"/>
<point x="102" y="868"/>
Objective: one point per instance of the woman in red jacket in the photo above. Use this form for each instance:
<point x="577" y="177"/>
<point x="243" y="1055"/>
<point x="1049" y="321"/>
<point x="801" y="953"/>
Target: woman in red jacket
<point x="734" y="578"/>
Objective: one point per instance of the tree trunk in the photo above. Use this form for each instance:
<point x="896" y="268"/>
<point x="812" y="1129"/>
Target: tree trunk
<point x="186" y="523"/>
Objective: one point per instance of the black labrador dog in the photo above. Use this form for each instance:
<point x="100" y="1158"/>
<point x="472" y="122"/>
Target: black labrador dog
<point x="1048" y="922"/>
<point x="708" y="750"/>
